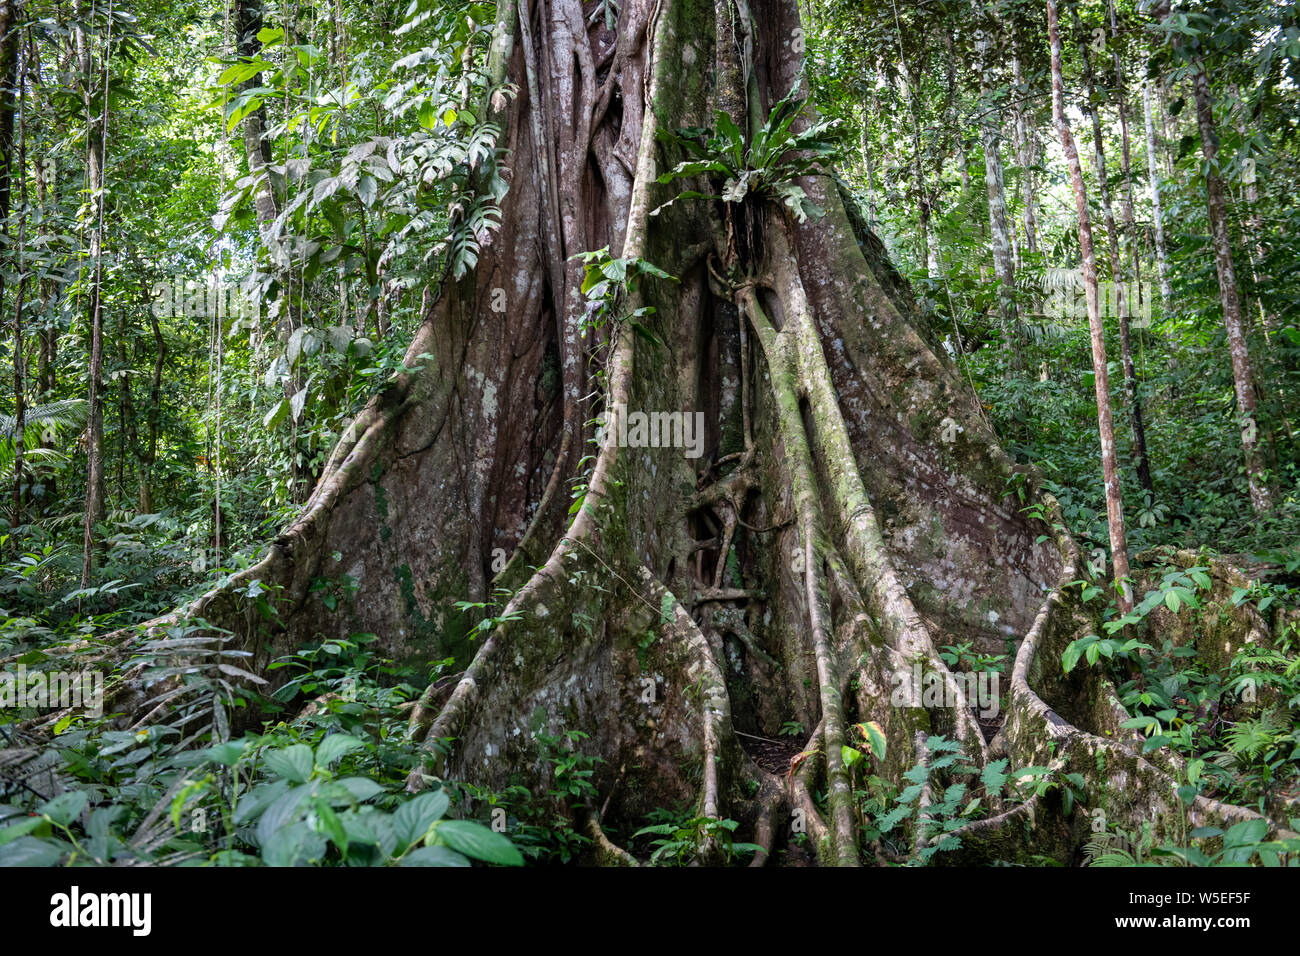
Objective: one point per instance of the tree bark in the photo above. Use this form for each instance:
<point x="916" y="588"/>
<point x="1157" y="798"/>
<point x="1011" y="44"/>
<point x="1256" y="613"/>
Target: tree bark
<point x="868" y="160"/>
<point x="1026" y="157"/>
<point x="1126" y="151"/>
<point x="1153" y="175"/>
<point x="96" y="147"/>
<point x="10" y="34"/>
<point x="1105" y="427"/>
<point x="1254" y="225"/>
<point x="149" y="453"/>
<point x="923" y="197"/>
<point x="1242" y="376"/>
<point x="1091" y="108"/>
<point x="1004" y="267"/>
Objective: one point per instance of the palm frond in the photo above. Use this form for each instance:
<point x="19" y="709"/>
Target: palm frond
<point x="65" y="413"/>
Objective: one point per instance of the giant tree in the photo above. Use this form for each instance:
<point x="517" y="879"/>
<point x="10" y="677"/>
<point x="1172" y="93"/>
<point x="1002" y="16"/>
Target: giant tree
<point x="681" y="461"/>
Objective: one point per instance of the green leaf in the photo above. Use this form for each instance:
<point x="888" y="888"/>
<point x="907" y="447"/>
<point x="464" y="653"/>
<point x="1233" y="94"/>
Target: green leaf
<point x="994" y="776"/>
<point x="335" y="746"/>
<point x="258" y="799"/>
<point x="411" y="821"/>
<point x="281" y="812"/>
<point x="293" y="763"/>
<point x="276" y="414"/>
<point x="434" y="856"/>
<point x="875" y="738"/>
<point x="735" y="139"/>
<point x="361" y="788"/>
<point x="64" y="808"/>
<point x="241" y="72"/>
<point x="292" y="844"/>
<point x="1141" y="722"/>
<point x="297" y="402"/>
<point x="30" y="851"/>
<point x="333" y="826"/>
<point x="478" y="842"/>
<point x="22" y="828"/>
<point x="367" y="190"/>
<point x="615" y="270"/>
<point x="646" y="334"/>
<point x="1245" y="834"/>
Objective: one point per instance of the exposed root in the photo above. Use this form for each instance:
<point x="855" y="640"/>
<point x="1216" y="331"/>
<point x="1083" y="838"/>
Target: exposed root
<point x="607" y="853"/>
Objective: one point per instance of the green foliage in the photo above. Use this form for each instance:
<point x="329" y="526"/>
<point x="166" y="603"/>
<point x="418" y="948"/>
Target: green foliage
<point x="964" y="657"/>
<point x="326" y="789"/>
<point x="1242" y="844"/>
<point x="608" y="283"/>
<point x="490" y="622"/>
<point x="766" y="167"/>
<point x="1235" y="724"/>
<point x="680" y="837"/>
<point x="541" y="825"/>
<point x="793" y="728"/>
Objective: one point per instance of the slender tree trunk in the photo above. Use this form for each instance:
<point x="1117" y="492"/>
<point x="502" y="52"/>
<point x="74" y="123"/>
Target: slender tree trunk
<point x="918" y="178"/>
<point x="1105" y="427"/>
<point x="47" y="333"/>
<point x="1004" y="267"/>
<point x="1026" y="157"/>
<point x="1153" y="175"/>
<point x="149" y="453"/>
<point x="1092" y="108"/>
<point x="1233" y="320"/>
<point x="47" y="351"/>
<point x="96" y="147"/>
<point x="1027" y="151"/>
<point x="257" y="145"/>
<point x="1254" y="225"/>
<point x="1168" y="125"/>
<point x="868" y="159"/>
<point x="1126" y="150"/>
<point x="20" y="362"/>
<point x="10" y="35"/>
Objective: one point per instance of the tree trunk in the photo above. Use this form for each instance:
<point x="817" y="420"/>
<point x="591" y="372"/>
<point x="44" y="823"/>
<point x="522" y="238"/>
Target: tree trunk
<point x="1105" y="427"/>
<point x="923" y="197"/>
<point x="47" y="333"/>
<point x="96" y="140"/>
<point x="868" y="160"/>
<point x="991" y="138"/>
<point x="1091" y="108"/>
<point x="10" y="34"/>
<point x="1126" y="151"/>
<point x="1242" y="376"/>
<point x="853" y="512"/>
<point x="149" y="452"/>
<point x="1254" y="225"/>
<point x="1162" y="258"/>
<point x="257" y="145"/>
